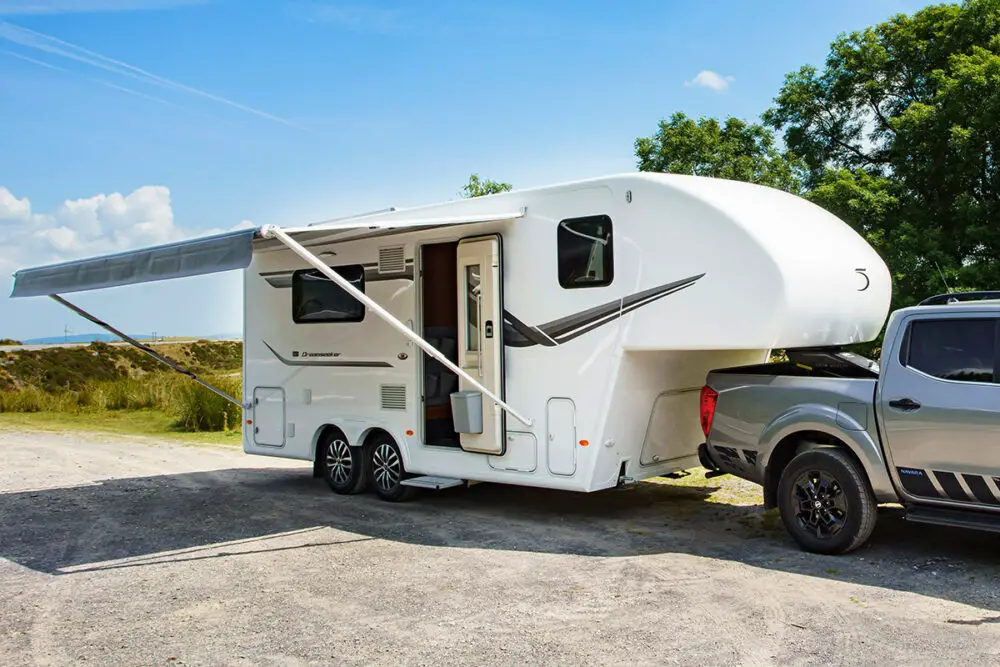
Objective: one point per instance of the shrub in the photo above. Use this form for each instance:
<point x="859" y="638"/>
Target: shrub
<point x="199" y="409"/>
<point x="10" y="341"/>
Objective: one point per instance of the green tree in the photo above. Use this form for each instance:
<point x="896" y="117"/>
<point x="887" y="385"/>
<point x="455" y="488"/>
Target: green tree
<point x="478" y="188"/>
<point x="734" y="150"/>
<point x="900" y="134"/>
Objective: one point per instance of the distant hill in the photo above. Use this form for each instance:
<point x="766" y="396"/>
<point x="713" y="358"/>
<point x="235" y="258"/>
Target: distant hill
<point x="77" y="338"/>
<point x="109" y="338"/>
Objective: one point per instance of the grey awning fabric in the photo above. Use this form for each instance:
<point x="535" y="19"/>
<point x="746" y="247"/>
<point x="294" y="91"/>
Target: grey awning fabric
<point x="210" y="254"/>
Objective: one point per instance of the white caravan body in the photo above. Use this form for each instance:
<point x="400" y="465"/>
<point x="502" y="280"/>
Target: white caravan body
<point x="593" y="310"/>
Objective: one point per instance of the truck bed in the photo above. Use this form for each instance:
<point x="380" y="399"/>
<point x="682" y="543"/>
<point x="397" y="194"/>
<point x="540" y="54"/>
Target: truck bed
<point x="753" y="403"/>
<point x="811" y="363"/>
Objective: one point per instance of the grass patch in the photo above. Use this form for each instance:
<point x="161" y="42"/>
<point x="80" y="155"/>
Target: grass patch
<point x="146" y="423"/>
<point x="99" y="383"/>
<point x="728" y="490"/>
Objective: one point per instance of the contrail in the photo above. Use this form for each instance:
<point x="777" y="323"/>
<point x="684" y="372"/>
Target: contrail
<point x="30" y="38"/>
<point x="130" y="91"/>
<point x="32" y="60"/>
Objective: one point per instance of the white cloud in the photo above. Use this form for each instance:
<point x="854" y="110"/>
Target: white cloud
<point x="85" y="227"/>
<point x="709" y="79"/>
<point x="13" y="209"/>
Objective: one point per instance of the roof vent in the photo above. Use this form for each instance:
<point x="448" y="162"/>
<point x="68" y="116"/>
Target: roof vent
<point x="391" y="260"/>
<point x="393" y="396"/>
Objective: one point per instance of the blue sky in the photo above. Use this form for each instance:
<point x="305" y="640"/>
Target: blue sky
<point x="131" y="122"/>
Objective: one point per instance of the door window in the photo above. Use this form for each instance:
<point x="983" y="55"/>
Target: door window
<point x="962" y="350"/>
<point x="472" y="292"/>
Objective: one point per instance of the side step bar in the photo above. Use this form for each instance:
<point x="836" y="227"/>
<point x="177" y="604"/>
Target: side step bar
<point x="955" y="518"/>
<point x="431" y="482"/>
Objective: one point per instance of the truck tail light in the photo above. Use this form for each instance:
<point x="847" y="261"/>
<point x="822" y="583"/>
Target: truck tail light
<point x="709" y="397"/>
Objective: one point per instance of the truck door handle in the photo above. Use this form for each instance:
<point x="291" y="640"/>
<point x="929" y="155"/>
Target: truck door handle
<point x="905" y="404"/>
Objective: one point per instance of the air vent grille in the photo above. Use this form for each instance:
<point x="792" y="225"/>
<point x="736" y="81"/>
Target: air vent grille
<point x="391" y="260"/>
<point x="393" y="396"/>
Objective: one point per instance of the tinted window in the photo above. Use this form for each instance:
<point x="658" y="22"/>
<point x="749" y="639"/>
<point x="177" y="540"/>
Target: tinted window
<point x="585" y="252"/>
<point x="962" y="350"/>
<point x="316" y="298"/>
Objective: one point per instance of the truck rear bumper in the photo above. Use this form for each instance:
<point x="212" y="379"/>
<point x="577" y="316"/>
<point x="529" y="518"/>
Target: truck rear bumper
<point x="741" y="463"/>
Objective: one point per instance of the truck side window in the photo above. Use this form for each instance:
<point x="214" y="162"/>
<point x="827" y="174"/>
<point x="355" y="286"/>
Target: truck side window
<point x="585" y="252"/>
<point x="963" y="349"/>
<point x="317" y="299"/>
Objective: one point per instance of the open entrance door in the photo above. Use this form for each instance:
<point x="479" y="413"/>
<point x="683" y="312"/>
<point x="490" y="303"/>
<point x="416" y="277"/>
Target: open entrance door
<point x="480" y="335"/>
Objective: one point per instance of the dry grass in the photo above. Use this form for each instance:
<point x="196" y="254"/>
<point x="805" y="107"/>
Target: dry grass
<point x="101" y="378"/>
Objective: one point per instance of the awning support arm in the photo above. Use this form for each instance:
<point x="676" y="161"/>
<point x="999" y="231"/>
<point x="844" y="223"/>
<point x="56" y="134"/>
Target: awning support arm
<point x="145" y="348"/>
<point x="271" y="231"/>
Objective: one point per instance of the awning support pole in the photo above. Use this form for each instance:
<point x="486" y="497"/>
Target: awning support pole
<point x="145" y="348"/>
<point x="271" y="231"/>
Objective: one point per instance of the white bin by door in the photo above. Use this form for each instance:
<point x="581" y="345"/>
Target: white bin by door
<point x="560" y="419"/>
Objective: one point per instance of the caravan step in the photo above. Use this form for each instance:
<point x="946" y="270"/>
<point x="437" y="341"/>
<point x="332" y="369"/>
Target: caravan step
<point x="431" y="482"/>
<point x="955" y="518"/>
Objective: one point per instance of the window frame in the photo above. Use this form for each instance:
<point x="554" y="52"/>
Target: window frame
<point x="907" y="341"/>
<point x="609" y="260"/>
<point x="297" y="280"/>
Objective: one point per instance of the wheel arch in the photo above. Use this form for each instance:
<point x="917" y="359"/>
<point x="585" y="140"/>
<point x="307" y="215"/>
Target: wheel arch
<point x="318" y="437"/>
<point x="817" y="425"/>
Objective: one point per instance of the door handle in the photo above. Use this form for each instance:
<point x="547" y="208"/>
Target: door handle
<point x="904" y="404"/>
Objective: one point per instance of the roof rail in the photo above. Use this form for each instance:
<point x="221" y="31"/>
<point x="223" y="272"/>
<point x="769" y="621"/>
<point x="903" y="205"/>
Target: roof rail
<point x="955" y="297"/>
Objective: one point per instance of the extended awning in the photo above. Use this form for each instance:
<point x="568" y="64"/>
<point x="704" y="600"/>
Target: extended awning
<point x="226" y="252"/>
<point x="209" y="254"/>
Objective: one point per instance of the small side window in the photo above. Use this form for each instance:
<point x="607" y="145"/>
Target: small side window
<point x="586" y="253"/>
<point x="317" y="299"/>
<point x="963" y="349"/>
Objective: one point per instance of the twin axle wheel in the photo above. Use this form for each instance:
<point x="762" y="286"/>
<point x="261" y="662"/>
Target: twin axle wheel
<point x="378" y="464"/>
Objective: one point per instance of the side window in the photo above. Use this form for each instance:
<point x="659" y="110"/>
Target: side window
<point x="586" y="257"/>
<point x="316" y="298"/>
<point x="963" y="350"/>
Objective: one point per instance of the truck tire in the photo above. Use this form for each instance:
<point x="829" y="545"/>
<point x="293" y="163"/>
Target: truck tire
<point x="825" y="502"/>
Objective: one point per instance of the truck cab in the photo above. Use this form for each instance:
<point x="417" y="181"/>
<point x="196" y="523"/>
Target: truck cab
<point x="829" y="436"/>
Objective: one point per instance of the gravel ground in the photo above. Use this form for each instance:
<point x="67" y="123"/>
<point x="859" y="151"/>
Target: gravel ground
<point x="131" y="552"/>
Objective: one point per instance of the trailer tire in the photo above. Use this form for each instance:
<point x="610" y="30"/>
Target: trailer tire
<point x="385" y="468"/>
<point x="825" y="501"/>
<point x="342" y="466"/>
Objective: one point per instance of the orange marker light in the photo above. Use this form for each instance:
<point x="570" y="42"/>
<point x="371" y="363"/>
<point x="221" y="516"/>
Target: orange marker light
<point x="249" y="421"/>
<point x="584" y="443"/>
<point x="409" y="433"/>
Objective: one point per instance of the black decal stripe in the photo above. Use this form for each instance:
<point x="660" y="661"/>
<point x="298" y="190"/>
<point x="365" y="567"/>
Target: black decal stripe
<point x="951" y="486"/>
<point x="567" y="328"/>
<point x="917" y="483"/>
<point x="980" y="489"/>
<point x="624" y="311"/>
<point x="346" y="363"/>
<point x="564" y="325"/>
<point x="518" y="334"/>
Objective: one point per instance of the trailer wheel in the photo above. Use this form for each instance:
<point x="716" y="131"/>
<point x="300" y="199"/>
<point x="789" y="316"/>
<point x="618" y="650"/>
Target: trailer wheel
<point x="825" y="502"/>
<point x="386" y="469"/>
<point x="343" y="466"/>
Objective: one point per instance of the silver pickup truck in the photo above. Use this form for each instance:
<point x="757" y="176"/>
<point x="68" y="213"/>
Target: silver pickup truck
<point x="830" y="435"/>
